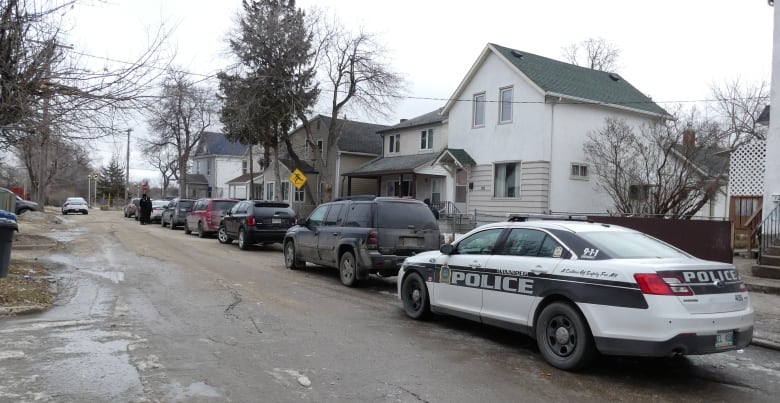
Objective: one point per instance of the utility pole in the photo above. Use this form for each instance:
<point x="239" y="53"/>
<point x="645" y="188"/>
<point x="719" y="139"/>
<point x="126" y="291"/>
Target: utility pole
<point x="127" y="168"/>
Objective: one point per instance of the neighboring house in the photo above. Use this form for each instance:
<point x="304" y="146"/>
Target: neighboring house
<point x="359" y="143"/>
<point x="516" y="143"/>
<point x="197" y="187"/>
<point x="406" y="165"/>
<point x="219" y="161"/>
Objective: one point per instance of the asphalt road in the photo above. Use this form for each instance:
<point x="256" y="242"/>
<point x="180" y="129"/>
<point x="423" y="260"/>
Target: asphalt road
<point x="147" y="314"/>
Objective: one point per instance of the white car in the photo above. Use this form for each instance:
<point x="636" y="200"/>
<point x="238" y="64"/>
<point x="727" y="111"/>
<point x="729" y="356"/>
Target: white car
<point x="582" y="288"/>
<point x="75" y="205"/>
<point x="157" y="208"/>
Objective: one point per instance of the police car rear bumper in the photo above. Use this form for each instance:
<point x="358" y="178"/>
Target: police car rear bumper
<point x="683" y="344"/>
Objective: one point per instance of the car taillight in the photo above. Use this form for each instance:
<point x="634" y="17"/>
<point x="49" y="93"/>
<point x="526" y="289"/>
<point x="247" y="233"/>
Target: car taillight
<point x="373" y="240"/>
<point x="250" y="221"/>
<point x="652" y="283"/>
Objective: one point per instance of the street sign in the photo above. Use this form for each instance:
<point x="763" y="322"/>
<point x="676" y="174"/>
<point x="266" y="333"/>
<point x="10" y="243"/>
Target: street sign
<point x="297" y="178"/>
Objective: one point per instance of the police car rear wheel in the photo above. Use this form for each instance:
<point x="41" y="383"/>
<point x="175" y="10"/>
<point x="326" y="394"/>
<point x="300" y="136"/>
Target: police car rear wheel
<point x="563" y="337"/>
<point x="348" y="270"/>
<point x="414" y="296"/>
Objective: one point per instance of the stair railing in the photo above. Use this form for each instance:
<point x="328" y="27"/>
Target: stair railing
<point x="769" y="231"/>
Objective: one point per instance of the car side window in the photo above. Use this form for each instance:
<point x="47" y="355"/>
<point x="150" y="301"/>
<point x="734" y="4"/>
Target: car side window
<point x="332" y="218"/>
<point x="481" y="243"/>
<point x="551" y="248"/>
<point x="317" y="217"/>
<point x="359" y="215"/>
<point x="235" y="208"/>
<point x="242" y="208"/>
<point x="523" y="242"/>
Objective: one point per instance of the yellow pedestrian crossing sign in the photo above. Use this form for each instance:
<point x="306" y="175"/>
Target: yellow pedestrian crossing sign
<point x="297" y="178"/>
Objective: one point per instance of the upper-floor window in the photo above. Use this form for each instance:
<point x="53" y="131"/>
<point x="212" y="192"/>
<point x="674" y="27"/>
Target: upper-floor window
<point x="506" y="181"/>
<point x="426" y="139"/>
<point x="321" y="148"/>
<point x="208" y="167"/>
<point x="395" y="143"/>
<point x="244" y="167"/>
<point x="505" y="112"/>
<point x="479" y="110"/>
<point x="306" y="149"/>
<point x="299" y="195"/>
<point x="269" y="190"/>
<point x="579" y="171"/>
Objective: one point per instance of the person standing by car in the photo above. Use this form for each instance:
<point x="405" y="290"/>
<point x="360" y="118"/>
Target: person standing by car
<point x="433" y="210"/>
<point x="146" y="209"/>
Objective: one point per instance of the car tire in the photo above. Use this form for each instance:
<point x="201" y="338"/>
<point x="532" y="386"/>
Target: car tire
<point x="563" y="337"/>
<point x="242" y="242"/>
<point x="187" y="229"/>
<point x="290" y="260"/>
<point x="162" y="222"/>
<point x="64" y="213"/>
<point x="86" y="212"/>
<point x="222" y="236"/>
<point x="201" y="233"/>
<point x="348" y="269"/>
<point x="414" y="296"/>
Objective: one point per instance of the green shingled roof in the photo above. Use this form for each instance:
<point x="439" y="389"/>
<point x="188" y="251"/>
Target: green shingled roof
<point x="559" y="78"/>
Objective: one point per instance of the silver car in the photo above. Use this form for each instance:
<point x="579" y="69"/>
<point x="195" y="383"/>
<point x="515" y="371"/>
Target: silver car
<point x="157" y="209"/>
<point x="75" y="205"/>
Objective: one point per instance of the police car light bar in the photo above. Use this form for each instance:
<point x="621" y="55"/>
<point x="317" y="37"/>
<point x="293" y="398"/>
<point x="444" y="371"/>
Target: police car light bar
<point x="520" y="217"/>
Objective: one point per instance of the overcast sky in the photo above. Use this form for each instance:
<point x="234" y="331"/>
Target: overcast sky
<point x="672" y="50"/>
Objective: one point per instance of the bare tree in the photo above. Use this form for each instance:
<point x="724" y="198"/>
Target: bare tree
<point x="179" y="117"/>
<point x="356" y="76"/>
<point x="47" y="91"/>
<point x="597" y="54"/>
<point x="164" y="159"/>
<point x="657" y="169"/>
<point x="740" y="104"/>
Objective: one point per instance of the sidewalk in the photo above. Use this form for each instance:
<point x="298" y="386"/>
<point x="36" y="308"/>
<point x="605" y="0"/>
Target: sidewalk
<point x="765" y="298"/>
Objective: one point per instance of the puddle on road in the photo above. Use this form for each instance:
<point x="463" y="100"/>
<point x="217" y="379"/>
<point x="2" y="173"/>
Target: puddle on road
<point x="93" y="363"/>
<point x="65" y="236"/>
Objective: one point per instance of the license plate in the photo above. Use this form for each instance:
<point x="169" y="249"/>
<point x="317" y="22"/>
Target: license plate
<point x="724" y="339"/>
<point x="276" y="221"/>
<point x="410" y="242"/>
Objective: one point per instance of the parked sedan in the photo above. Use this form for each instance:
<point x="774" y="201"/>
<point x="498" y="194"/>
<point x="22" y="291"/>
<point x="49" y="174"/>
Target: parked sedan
<point x="23" y="206"/>
<point x="158" y="206"/>
<point x="132" y="208"/>
<point x="75" y="205"/>
<point x="256" y="221"/>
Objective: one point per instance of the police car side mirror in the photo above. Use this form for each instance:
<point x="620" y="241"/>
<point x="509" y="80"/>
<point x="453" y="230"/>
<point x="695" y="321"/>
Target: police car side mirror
<point x="446" y="248"/>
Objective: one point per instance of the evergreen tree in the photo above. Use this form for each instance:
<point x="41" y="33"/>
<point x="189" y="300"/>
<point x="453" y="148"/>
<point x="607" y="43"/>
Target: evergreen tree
<point x="111" y="181"/>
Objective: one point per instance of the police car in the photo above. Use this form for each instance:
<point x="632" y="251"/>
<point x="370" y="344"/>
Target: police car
<point x="582" y="288"/>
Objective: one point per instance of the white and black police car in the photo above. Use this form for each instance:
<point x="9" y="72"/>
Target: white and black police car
<point x="582" y="288"/>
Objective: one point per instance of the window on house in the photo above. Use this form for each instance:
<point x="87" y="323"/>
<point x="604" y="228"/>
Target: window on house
<point x="479" y="110"/>
<point x="506" y="181"/>
<point x="197" y="167"/>
<point x="286" y="190"/>
<point x="426" y="139"/>
<point x="244" y="167"/>
<point x="505" y="114"/>
<point x="269" y="191"/>
<point x="579" y="171"/>
<point x="208" y="167"/>
<point x="320" y="147"/>
<point x="299" y="195"/>
<point x="306" y="149"/>
<point x="395" y="143"/>
<point x="461" y="185"/>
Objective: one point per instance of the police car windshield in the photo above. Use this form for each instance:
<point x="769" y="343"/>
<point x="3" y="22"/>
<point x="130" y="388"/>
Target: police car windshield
<point x="630" y="245"/>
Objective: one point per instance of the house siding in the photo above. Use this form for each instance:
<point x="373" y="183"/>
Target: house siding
<point x="533" y="192"/>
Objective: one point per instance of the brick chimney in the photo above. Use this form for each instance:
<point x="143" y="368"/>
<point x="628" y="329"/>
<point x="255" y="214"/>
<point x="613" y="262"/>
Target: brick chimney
<point x="689" y="136"/>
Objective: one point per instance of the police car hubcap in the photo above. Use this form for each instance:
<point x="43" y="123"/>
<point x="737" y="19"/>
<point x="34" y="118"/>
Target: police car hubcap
<point x="562" y="335"/>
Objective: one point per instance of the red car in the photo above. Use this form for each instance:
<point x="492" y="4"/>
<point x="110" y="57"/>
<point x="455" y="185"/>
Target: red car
<point x="206" y="215"/>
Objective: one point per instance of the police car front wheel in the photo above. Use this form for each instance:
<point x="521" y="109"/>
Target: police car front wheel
<point x="563" y="337"/>
<point x="414" y="296"/>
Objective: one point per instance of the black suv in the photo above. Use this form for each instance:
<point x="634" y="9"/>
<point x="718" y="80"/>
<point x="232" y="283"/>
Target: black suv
<point x="176" y="212"/>
<point x="362" y="236"/>
<point x="256" y="221"/>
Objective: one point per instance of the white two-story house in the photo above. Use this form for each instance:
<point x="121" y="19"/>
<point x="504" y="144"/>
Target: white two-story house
<point x="516" y="128"/>
<point x="218" y="161"/>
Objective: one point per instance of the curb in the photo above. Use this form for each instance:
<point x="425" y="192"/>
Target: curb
<point x="765" y="344"/>
<point x="764" y="289"/>
<point x="22" y="310"/>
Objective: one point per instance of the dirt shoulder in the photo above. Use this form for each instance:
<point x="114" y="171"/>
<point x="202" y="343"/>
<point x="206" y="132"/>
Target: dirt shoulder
<point x="29" y="287"/>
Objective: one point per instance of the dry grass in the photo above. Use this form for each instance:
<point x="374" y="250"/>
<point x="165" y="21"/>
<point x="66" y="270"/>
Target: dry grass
<point x="26" y="284"/>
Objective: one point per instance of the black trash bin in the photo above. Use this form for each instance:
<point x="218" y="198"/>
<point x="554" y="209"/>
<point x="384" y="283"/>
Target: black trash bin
<point x="7" y="227"/>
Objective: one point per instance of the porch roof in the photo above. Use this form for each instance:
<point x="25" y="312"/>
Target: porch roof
<point x="244" y="179"/>
<point x="391" y="165"/>
<point x="457" y="155"/>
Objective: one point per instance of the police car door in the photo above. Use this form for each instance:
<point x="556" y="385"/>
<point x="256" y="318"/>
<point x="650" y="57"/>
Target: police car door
<point x="458" y="289"/>
<point x="523" y="258"/>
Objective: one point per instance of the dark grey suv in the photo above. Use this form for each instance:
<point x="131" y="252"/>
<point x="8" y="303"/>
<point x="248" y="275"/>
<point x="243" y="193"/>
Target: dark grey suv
<point x="255" y="221"/>
<point x="362" y="236"/>
<point x="176" y="212"/>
